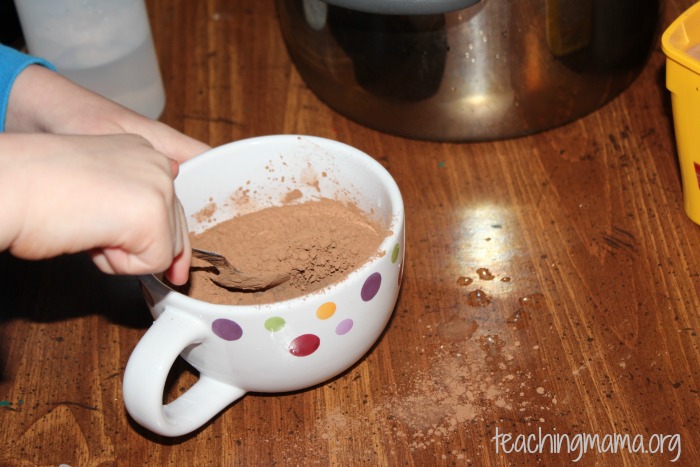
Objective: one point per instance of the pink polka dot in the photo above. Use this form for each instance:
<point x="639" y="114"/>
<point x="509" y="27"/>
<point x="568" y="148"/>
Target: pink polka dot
<point x="344" y="327"/>
<point x="304" y="345"/>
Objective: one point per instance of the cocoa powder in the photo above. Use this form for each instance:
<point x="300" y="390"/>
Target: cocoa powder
<point x="317" y="243"/>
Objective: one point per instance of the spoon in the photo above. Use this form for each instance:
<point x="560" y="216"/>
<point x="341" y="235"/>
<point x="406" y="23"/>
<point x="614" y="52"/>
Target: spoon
<point x="232" y="278"/>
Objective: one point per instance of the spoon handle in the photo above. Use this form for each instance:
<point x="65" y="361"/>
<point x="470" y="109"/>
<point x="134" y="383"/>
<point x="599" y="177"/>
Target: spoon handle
<point x="213" y="258"/>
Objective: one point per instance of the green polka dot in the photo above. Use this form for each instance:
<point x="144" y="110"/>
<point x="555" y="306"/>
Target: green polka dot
<point x="274" y="324"/>
<point x="395" y="253"/>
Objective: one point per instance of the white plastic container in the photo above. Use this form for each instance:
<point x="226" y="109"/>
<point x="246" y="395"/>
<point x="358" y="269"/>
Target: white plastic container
<point x="103" y="45"/>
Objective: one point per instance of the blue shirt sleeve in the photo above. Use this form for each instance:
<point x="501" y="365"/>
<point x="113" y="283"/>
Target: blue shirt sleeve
<point x="12" y="62"/>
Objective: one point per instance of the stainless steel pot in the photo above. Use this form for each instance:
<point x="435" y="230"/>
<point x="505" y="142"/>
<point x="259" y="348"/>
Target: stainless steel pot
<point x="495" y="69"/>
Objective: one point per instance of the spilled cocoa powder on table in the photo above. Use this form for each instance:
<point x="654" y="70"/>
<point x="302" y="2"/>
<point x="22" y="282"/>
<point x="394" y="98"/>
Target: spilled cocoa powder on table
<point x="316" y="242"/>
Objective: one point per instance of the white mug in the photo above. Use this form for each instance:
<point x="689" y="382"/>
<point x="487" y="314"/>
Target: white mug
<point x="283" y="346"/>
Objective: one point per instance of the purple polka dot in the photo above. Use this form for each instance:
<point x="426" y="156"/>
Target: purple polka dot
<point x="304" y="345"/>
<point x="227" y="329"/>
<point x="371" y="286"/>
<point x="344" y="327"/>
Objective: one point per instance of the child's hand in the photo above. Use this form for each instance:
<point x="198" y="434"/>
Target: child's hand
<point x="110" y="195"/>
<point x="42" y="101"/>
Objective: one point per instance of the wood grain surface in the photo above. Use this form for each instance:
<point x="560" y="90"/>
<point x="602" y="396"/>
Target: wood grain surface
<point x="588" y="326"/>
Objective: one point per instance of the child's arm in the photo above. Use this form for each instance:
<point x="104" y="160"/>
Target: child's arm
<point x="41" y="100"/>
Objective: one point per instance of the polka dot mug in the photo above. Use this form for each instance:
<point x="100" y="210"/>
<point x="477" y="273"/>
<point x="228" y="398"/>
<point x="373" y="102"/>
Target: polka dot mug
<point x="283" y="346"/>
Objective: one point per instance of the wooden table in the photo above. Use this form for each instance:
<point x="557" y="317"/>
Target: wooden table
<point x="592" y="315"/>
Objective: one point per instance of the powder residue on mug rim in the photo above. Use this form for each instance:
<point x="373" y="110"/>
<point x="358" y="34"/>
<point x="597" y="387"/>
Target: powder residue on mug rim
<point x="206" y="214"/>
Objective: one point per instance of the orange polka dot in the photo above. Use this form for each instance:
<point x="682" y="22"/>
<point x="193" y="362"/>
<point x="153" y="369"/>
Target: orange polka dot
<point x="326" y="310"/>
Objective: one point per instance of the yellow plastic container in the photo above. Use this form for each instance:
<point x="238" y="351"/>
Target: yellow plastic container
<point x="683" y="80"/>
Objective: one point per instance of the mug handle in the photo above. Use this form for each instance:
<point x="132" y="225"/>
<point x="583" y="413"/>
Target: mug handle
<point x="148" y="367"/>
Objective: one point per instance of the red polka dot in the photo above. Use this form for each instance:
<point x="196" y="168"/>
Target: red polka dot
<point x="304" y="345"/>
